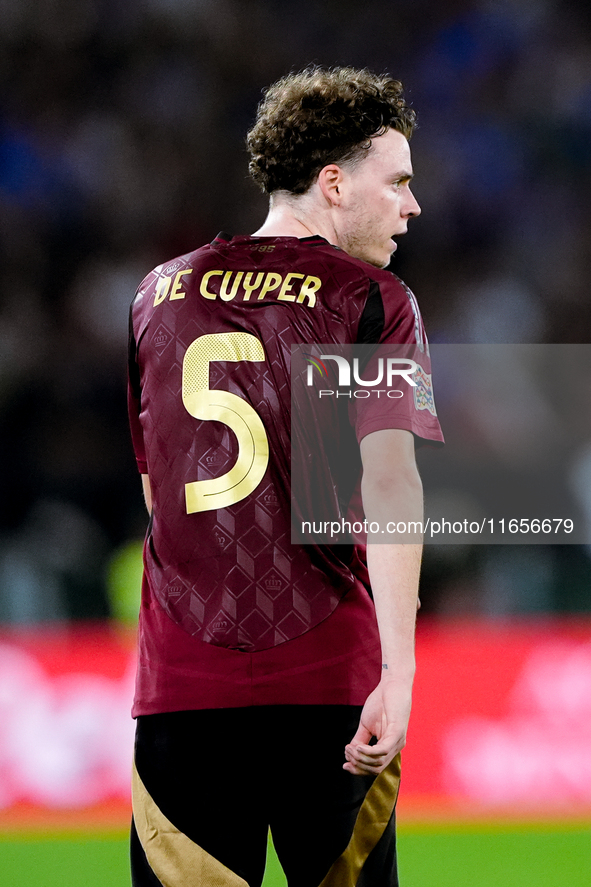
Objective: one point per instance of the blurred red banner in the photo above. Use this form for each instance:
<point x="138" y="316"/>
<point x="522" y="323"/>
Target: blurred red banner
<point x="66" y="734"/>
<point x="501" y="723"/>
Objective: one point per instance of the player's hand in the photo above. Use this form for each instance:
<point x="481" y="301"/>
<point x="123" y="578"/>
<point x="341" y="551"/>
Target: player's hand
<point x="385" y="715"/>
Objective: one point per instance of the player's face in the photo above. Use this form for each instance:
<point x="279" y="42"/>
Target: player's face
<point x="377" y="201"/>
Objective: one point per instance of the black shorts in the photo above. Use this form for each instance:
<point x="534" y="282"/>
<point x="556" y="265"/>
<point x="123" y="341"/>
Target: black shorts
<point x="208" y="785"/>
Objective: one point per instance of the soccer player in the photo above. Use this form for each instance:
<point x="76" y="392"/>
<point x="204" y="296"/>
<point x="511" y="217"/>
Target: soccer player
<point x="268" y="693"/>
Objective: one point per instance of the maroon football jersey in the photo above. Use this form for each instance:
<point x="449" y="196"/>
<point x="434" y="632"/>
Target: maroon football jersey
<point x="209" y="368"/>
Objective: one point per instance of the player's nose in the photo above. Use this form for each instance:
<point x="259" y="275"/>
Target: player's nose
<point x="411" y="206"/>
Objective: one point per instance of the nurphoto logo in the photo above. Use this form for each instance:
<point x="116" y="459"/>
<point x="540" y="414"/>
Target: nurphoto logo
<point x="386" y="371"/>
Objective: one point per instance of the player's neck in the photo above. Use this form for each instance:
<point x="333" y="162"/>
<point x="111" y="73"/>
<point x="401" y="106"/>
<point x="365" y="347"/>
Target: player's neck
<point x="285" y="220"/>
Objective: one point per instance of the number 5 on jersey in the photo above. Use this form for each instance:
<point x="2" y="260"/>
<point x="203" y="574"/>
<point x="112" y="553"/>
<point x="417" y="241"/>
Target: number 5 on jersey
<point x="209" y="404"/>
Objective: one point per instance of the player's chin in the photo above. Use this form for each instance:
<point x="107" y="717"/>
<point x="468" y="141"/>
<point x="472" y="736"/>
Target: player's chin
<point x="383" y="259"/>
<point x="387" y="261"/>
<point x="378" y="256"/>
<point x="389" y="251"/>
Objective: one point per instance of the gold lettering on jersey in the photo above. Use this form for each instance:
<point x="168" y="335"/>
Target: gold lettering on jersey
<point x="310" y="287"/>
<point x="246" y="285"/>
<point x="271" y="282"/>
<point x="283" y="294"/>
<point x="162" y="288"/>
<point x="204" y="281"/>
<point x="224" y="294"/>
<point x="176" y="291"/>
<point x="249" y="287"/>
<point x="217" y="405"/>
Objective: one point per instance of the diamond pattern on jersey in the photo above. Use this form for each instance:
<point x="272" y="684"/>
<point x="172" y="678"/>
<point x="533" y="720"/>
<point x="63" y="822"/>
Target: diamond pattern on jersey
<point x="231" y="577"/>
<point x="268" y="500"/>
<point x="254" y="541"/>
<point x="162" y="337"/>
<point x="197" y="609"/>
<point x="273" y="583"/>
<point x="238" y="582"/>
<point x="214" y="459"/>
<point x="222" y="538"/>
<point x="292" y="625"/>
<point x="255" y="625"/>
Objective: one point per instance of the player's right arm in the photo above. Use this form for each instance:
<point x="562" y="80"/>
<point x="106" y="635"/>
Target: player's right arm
<point x="390" y="476"/>
<point x="147" y="492"/>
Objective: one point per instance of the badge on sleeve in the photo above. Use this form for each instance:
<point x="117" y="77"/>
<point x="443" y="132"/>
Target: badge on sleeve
<point x="423" y="393"/>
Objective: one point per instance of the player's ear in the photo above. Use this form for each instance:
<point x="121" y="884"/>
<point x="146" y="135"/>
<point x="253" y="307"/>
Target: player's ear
<point x="330" y="179"/>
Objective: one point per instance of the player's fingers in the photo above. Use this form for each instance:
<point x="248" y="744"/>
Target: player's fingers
<point x="379" y="749"/>
<point x="361" y="758"/>
<point x="374" y="755"/>
<point x="363" y="763"/>
<point x="369" y="763"/>
<point x="358" y="769"/>
<point x="362" y="736"/>
<point x="392" y="739"/>
<point x="358" y="752"/>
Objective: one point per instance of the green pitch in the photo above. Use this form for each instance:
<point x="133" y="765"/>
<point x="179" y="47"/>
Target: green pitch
<point x="511" y="855"/>
<point x="435" y="856"/>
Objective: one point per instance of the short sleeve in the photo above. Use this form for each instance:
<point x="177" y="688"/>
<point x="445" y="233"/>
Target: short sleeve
<point x="396" y="326"/>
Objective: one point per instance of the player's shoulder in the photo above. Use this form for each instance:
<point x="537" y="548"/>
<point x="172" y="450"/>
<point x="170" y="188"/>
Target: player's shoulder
<point x="389" y="284"/>
<point x="170" y="268"/>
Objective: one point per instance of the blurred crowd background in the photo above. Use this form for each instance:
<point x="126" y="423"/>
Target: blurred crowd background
<point x="122" y="131"/>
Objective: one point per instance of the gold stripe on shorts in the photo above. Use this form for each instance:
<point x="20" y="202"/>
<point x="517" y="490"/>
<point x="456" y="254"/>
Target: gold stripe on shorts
<point x="173" y="857"/>
<point x="372" y="819"/>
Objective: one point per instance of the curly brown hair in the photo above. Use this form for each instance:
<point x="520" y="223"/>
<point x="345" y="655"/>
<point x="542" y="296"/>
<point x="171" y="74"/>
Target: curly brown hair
<point x="320" y="116"/>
